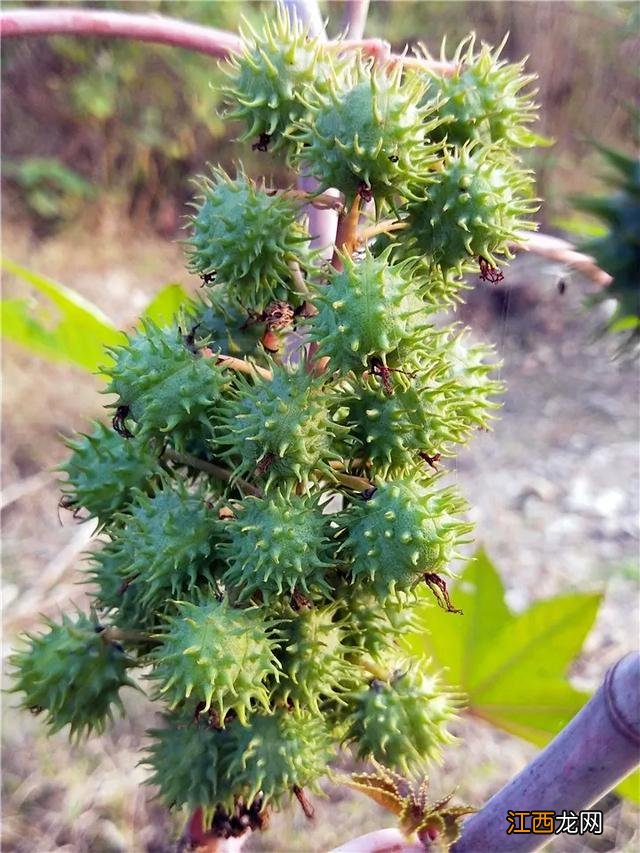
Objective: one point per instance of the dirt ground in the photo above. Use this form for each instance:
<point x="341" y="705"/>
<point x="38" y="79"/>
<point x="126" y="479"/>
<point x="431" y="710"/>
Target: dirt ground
<point x="554" y="495"/>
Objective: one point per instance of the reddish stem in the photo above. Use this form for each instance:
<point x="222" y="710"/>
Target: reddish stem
<point x="88" y="22"/>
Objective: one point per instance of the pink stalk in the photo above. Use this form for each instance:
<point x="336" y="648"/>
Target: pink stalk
<point x="561" y="250"/>
<point x="87" y="22"/>
<point x="355" y="18"/>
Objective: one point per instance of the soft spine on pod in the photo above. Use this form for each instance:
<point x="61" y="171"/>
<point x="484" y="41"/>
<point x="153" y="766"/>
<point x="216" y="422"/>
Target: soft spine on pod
<point x="483" y="99"/>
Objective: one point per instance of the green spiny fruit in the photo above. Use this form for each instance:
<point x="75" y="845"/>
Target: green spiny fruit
<point x="276" y="546"/>
<point x="187" y="757"/>
<point x="366" y="312"/>
<point x="467" y="387"/>
<point x="103" y="472"/>
<point x="223" y="325"/>
<point x="217" y="654"/>
<point x="167" y="547"/>
<point x="401" y="721"/>
<point x="248" y="239"/>
<point x="73" y="673"/>
<point x="369" y="135"/>
<point x="281" y="427"/>
<point x="370" y="628"/>
<point x="474" y="209"/>
<point x="279" y="754"/>
<point x="270" y="78"/>
<point x="314" y="658"/>
<point x="404" y="531"/>
<point x="166" y="387"/>
<point x="483" y="98"/>
<point x="618" y="251"/>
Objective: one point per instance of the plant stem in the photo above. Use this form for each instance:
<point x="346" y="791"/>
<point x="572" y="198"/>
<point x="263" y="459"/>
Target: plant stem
<point x="355" y="18"/>
<point x="216" y="471"/>
<point x="238" y="364"/>
<point x="324" y="201"/>
<point x="358" y="484"/>
<point x="346" y="235"/>
<point x="385" y="227"/>
<point x="117" y="635"/>
<point x="564" y="252"/>
<point x="89" y="22"/>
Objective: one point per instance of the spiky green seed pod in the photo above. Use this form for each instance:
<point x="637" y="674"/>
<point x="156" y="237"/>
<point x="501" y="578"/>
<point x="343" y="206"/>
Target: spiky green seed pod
<point x="401" y="722"/>
<point x="73" y="674"/>
<point x="217" y="654"/>
<point x="277" y="753"/>
<point x="371" y="628"/>
<point x="367" y="312"/>
<point x="271" y="76"/>
<point x="280" y="428"/>
<point x="369" y="134"/>
<point x="187" y="760"/>
<point x="405" y="530"/>
<point x="314" y="659"/>
<point x="164" y="386"/>
<point x="447" y="394"/>
<point x="276" y="546"/>
<point x="248" y="239"/>
<point x="220" y="323"/>
<point x="483" y="98"/>
<point x="104" y="472"/>
<point x="167" y="547"/>
<point x="474" y="208"/>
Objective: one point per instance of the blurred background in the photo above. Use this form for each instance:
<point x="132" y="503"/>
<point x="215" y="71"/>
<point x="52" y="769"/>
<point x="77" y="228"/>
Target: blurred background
<point x="99" y="141"/>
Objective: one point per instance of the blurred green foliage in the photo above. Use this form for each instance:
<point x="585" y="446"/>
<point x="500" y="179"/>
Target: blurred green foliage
<point x="58" y="324"/>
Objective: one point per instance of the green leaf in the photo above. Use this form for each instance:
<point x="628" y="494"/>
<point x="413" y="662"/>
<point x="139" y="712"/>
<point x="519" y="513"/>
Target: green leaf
<point x="164" y="306"/>
<point x="629" y="788"/>
<point x="66" y="327"/>
<point x="513" y="668"/>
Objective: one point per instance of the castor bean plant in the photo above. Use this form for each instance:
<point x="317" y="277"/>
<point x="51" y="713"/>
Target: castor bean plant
<point x="270" y="481"/>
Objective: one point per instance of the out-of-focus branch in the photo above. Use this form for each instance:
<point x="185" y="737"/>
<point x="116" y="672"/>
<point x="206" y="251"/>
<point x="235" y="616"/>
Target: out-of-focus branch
<point x="177" y="33"/>
<point x="89" y="22"/>
<point x="355" y="18"/>
<point x="565" y="253"/>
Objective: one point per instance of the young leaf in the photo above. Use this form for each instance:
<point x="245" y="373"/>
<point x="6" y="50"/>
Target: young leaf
<point x="166" y="304"/>
<point x="67" y="327"/>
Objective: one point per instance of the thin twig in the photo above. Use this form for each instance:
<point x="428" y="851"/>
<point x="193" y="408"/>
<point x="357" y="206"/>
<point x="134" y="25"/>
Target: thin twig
<point x="239" y="364"/>
<point x="323" y="201"/>
<point x="385" y="227"/>
<point x="298" y="278"/>
<point x="358" y="484"/>
<point x="216" y="471"/>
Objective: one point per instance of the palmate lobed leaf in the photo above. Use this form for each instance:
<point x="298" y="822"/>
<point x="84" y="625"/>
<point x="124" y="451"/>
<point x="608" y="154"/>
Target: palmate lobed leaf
<point x="512" y="667"/>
